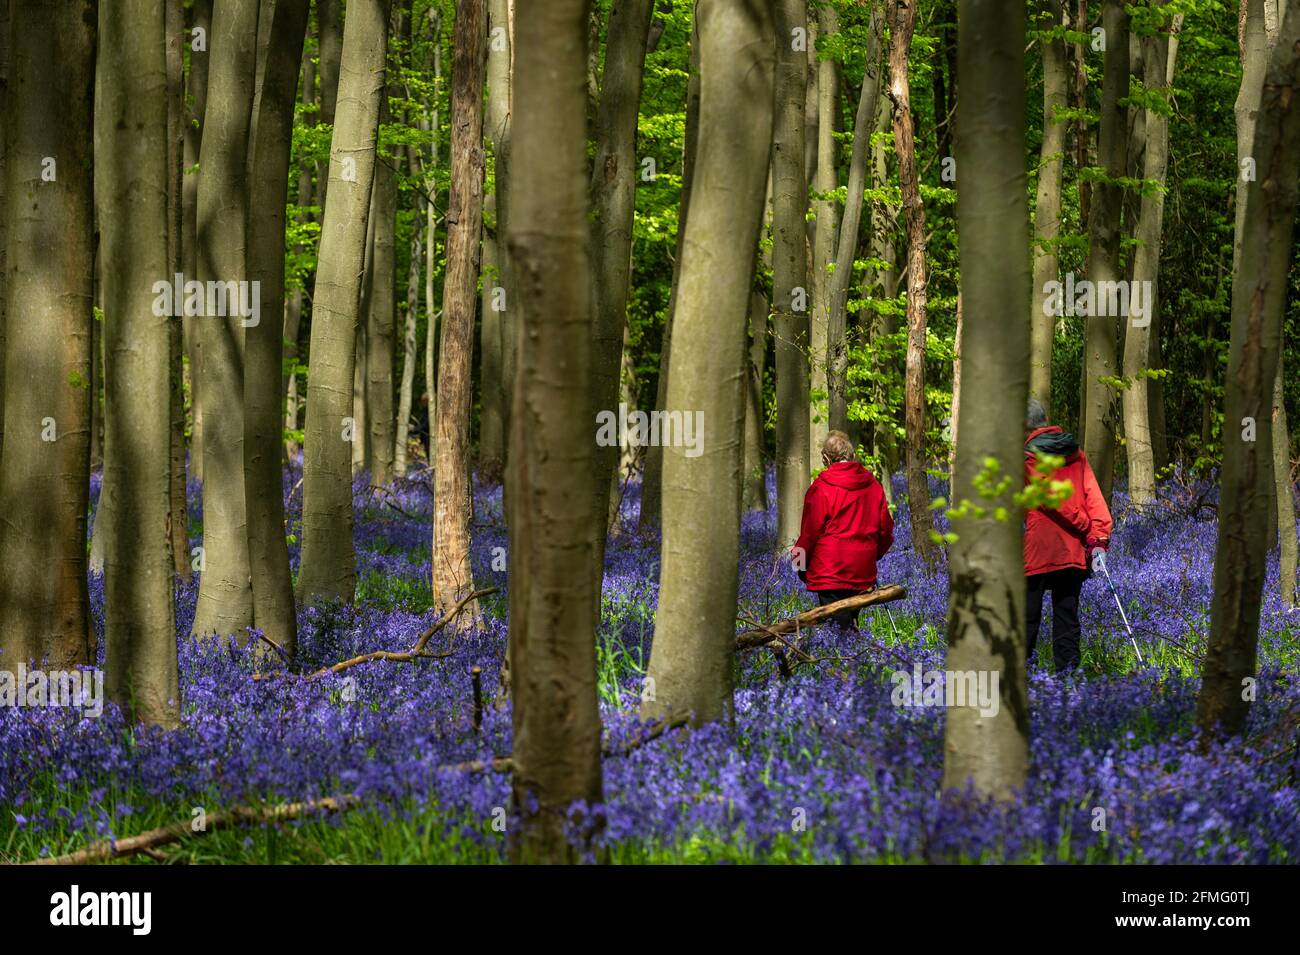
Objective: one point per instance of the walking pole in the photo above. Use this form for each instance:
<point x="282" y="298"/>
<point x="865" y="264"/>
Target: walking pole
<point x="1099" y="563"/>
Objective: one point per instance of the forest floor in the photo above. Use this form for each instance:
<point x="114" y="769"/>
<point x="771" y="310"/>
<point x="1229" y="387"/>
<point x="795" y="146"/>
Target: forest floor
<point x="820" y="765"/>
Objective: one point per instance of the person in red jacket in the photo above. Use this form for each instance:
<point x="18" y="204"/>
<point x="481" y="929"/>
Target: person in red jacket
<point x="845" y="529"/>
<point x="1059" y="542"/>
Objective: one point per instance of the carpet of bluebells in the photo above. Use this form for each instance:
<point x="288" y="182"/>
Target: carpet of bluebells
<point x="820" y="765"/>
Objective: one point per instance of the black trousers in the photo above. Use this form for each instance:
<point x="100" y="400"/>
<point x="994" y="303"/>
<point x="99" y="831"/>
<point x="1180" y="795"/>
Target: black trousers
<point x="848" y="619"/>
<point x="1065" y="586"/>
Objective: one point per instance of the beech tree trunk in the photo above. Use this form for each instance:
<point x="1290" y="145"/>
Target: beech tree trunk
<point x="452" y="578"/>
<point x="902" y="19"/>
<point x="196" y="91"/>
<point x="328" y="565"/>
<point x="1139" y="337"/>
<point x="613" y="195"/>
<point x="837" y="356"/>
<point x="225" y="604"/>
<point x="1105" y="264"/>
<point x="825" y="181"/>
<point x="1047" y="206"/>
<point x="556" y="717"/>
<point x="755" y="488"/>
<point x="497" y="324"/>
<point x="652" y="477"/>
<point x="1258" y="299"/>
<point x="135" y="187"/>
<point x="790" y="318"/>
<point x="49" y="261"/>
<point x="1285" y="490"/>
<point x="273" y="605"/>
<point x="381" y="322"/>
<point x="691" y="661"/>
<point x="986" y="605"/>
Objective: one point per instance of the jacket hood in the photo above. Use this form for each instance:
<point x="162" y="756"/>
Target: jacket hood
<point x="1052" y="440"/>
<point x="849" y="475"/>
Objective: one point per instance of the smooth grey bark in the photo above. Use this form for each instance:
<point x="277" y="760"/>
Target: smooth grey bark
<point x="1139" y="341"/>
<point x="196" y="93"/>
<point x="556" y="717"/>
<point x="790" y="318"/>
<point x="755" y="470"/>
<point x="691" y="660"/>
<point x="49" y="260"/>
<point x="328" y="566"/>
<point x="652" y="475"/>
<point x="273" y="604"/>
<point x="452" y="576"/>
<point x="178" y="530"/>
<point x="225" y="604"/>
<point x="837" y="344"/>
<point x="986" y="605"/>
<point x="133" y="193"/>
<point x="492" y="390"/>
<point x="825" y="225"/>
<point x="881" y="283"/>
<point x="1047" y="205"/>
<point x="4" y="109"/>
<point x="1101" y="405"/>
<point x="381" y="321"/>
<point x="497" y="318"/>
<point x="1247" y="482"/>
<point x="1285" y="491"/>
<point x="613" y="202"/>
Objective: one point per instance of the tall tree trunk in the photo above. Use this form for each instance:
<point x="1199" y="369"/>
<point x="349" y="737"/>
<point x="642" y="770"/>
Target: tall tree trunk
<point x="691" y="661"/>
<point x="492" y="390"/>
<point x="652" y="480"/>
<point x="175" y="74"/>
<point x="431" y="246"/>
<point x="452" y="578"/>
<point x="497" y="305"/>
<point x="225" y="603"/>
<point x="1047" y="206"/>
<point x="556" y="718"/>
<point x="45" y="481"/>
<point x="135" y="187"/>
<point x="293" y="306"/>
<point x="1290" y="546"/>
<point x="837" y="356"/>
<point x="410" y="346"/>
<point x="1138" y="342"/>
<point x="1100" y="407"/>
<point x="328" y="566"/>
<point x="790" y="318"/>
<point x="613" y="195"/>
<point x="273" y="606"/>
<point x="755" y="488"/>
<point x="1258" y="299"/>
<point x="196" y="91"/>
<point x="381" y="322"/>
<point x="329" y="19"/>
<point x="882" y="283"/>
<point x="986" y="606"/>
<point x="825" y="182"/>
<point x="4" y="280"/>
<point x="902" y="19"/>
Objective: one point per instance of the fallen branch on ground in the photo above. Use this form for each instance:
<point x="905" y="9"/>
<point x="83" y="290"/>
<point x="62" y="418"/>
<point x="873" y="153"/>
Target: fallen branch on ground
<point x="148" y="842"/>
<point x="417" y="652"/>
<point x="764" y="635"/>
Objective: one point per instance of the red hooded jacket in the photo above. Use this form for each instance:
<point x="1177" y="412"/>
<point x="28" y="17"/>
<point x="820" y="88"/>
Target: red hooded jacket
<point x="1057" y="539"/>
<point x="845" y="528"/>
